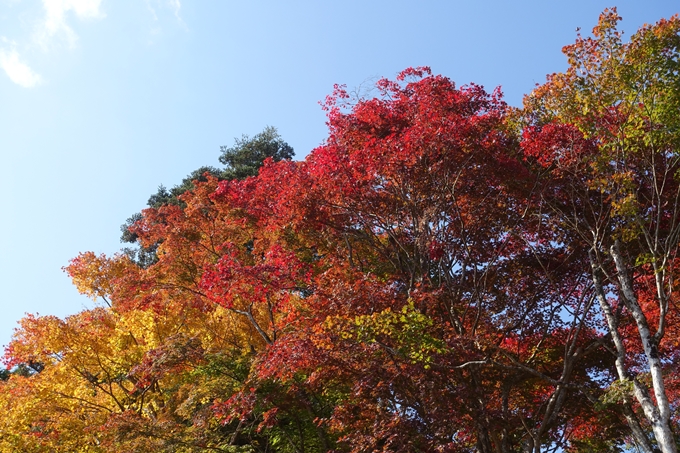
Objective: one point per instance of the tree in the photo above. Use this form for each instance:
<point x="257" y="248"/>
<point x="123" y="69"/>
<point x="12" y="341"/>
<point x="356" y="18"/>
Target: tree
<point x="605" y="136"/>
<point x="132" y="376"/>
<point x="431" y="312"/>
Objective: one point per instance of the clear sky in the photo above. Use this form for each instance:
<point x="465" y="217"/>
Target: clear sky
<point x="101" y="101"/>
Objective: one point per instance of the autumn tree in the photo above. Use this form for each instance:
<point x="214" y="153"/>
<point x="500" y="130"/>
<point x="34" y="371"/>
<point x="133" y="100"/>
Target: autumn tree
<point x="604" y="137"/>
<point x="433" y="298"/>
<point x="139" y="375"/>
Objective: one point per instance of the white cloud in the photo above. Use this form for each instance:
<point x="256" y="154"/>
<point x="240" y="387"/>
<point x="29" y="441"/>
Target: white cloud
<point x="50" y="29"/>
<point x="54" y="24"/>
<point x="17" y="70"/>
<point x="159" y="6"/>
<point x="175" y="5"/>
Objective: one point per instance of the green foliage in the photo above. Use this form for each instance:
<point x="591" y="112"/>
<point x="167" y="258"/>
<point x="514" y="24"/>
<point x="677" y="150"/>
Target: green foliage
<point x="405" y="332"/>
<point x="618" y="392"/>
<point x="245" y="158"/>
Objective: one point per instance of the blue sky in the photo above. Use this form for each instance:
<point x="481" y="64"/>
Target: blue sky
<point x="102" y="101"/>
